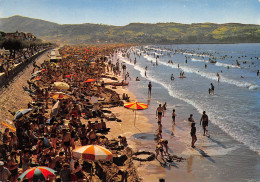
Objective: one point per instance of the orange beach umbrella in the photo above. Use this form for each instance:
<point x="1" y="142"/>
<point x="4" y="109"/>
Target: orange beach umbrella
<point x="93" y="153"/>
<point x="90" y="80"/>
<point x="8" y="125"/>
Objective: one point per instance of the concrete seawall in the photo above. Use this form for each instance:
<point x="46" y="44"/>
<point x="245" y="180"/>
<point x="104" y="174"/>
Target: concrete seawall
<point x="4" y="80"/>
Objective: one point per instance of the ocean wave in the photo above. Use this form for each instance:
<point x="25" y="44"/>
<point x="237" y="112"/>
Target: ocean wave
<point x="248" y="140"/>
<point x="208" y="75"/>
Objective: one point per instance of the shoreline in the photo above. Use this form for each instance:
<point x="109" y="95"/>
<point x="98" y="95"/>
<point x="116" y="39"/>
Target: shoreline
<point x="213" y="152"/>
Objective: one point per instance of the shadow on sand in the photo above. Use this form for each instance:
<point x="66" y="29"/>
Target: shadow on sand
<point x="218" y="143"/>
<point x="204" y="154"/>
<point x="145" y="136"/>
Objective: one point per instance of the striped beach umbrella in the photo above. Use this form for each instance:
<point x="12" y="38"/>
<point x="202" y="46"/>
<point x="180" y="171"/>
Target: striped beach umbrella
<point x="92" y="153"/>
<point x="135" y="105"/>
<point x="7" y="124"/>
<point x="37" y="173"/>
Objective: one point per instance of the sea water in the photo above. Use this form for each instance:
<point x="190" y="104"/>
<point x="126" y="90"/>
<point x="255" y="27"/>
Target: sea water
<point x="233" y="109"/>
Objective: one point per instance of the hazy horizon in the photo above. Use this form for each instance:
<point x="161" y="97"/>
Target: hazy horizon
<point x="120" y="13"/>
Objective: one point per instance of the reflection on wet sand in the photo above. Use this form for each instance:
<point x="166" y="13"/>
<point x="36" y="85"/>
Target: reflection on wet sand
<point x="189" y="163"/>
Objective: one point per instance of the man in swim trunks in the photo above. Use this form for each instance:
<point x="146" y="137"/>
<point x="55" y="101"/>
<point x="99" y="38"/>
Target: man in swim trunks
<point x="149" y="89"/>
<point x="205" y="120"/>
<point x="159" y="113"/>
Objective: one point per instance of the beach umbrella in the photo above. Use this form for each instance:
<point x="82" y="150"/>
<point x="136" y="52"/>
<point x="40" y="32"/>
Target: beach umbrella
<point x="8" y="124"/>
<point x="37" y="173"/>
<point x="135" y="106"/>
<point x="89" y="80"/>
<point x="59" y="95"/>
<point x="21" y="113"/>
<point x="37" y="78"/>
<point x="92" y="153"/>
<point x="61" y="85"/>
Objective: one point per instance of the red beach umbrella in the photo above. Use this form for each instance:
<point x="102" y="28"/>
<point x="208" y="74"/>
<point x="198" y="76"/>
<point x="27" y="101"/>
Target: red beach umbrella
<point x="37" y="173"/>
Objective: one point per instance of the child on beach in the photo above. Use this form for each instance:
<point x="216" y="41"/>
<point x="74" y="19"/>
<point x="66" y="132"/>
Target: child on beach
<point x="193" y="134"/>
<point x="190" y="119"/>
<point x="173" y="116"/>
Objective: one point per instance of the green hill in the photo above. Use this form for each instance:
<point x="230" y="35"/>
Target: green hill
<point x="134" y="32"/>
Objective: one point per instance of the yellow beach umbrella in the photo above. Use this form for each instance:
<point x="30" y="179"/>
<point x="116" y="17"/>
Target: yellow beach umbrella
<point x="135" y="106"/>
<point x="59" y="95"/>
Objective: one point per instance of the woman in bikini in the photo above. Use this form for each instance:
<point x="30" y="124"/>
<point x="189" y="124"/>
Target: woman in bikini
<point x="54" y="135"/>
<point x="66" y="139"/>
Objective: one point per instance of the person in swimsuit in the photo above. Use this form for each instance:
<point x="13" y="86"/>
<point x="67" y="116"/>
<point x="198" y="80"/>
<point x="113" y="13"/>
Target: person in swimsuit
<point x="66" y="139"/>
<point x="193" y="134"/>
<point x="12" y="165"/>
<point x="149" y="89"/>
<point x="173" y="116"/>
<point x="204" y="120"/>
<point x="190" y="119"/>
<point x="159" y="113"/>
<point x="92" y="136"/>
<point x="159" y="149"/>
<point x="54" y="134"/>
<point x="73" y="135"/>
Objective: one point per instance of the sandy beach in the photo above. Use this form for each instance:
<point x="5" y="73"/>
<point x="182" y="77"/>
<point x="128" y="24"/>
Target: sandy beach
<point x="139" y="129"/>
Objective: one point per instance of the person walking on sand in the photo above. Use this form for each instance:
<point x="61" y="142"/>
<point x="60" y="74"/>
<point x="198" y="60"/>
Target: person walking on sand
<point x="218" y="77"/>
<point x="159" y="113"/>
<point x="173" y="116"/>
<point x="150" y="89"/>
<point x="193" y="134"/>
<point x="204" y="120"/>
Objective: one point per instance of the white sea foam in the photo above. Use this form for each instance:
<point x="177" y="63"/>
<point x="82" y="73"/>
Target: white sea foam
<point x="208" y="75"/>
<point x="250" y="141"/>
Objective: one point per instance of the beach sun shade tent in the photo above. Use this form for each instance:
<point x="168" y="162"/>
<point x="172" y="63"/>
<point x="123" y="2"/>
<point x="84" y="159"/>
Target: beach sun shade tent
<point x="59" y="95"/>
<point x="8" y="125"/>
<point x="21" y="113"/>
<point x="89" y="80"/>
<point x="92" y="153"/>
<point x="37" y="173"/>
<point x="61" y="85"/>
<point x="135" y="106"/>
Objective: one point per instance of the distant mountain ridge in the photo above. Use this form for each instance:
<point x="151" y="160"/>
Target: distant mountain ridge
<point x="134" y="32"/>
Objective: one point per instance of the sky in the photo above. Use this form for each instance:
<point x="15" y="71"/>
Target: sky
<point x="123" y="12"/>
